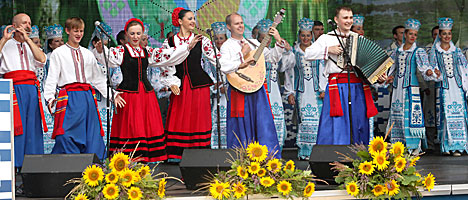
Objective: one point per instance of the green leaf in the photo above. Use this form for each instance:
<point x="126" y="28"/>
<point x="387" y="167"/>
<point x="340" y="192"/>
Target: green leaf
<point x="364" y="155"/>
<point x="339" y="179"/>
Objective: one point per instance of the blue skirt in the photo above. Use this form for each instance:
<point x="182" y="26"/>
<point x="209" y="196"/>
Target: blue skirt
<point x="335" y="130"/>
<point x="31" y="141"/>
<point x="82" y="127"/>
<point x="256" y="125"/>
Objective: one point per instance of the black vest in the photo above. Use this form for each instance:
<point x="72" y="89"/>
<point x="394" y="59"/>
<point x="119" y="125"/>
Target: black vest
<point x="192" y="67"/>
<point x="134" y="71"/>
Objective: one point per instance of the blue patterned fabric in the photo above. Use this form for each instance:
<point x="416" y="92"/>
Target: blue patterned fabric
<point x="6" y="159"/>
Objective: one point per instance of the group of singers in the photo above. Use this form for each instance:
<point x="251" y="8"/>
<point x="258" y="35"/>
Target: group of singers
<point x="66" y="81"/>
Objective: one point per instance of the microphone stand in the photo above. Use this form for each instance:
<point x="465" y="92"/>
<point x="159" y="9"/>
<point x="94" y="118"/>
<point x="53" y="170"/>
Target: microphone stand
<point x="109" y="91"/>
<point x="350" y="67"/>
<point x="218" y="68"/>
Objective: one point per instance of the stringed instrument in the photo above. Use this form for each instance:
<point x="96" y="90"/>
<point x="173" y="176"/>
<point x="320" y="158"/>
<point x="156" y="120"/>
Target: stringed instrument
<point x="251" y="78"/>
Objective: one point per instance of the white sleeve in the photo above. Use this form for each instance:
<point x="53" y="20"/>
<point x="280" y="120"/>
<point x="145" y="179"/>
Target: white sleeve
<point x="168" y="56"/>
<point x="115" y="55"/>
<point x="230" y="60"/>
<point x="287" y="66"/>
<point x="317" y="51"/>
<point x="274" y="55"/>
<point x="422" y="61"/>
<point x="208" y="50"/>
<point x="52" y="77"/>
<point x="323" y="78"/>
<point x="168" y="77"/>
<point x="98" y="79"/>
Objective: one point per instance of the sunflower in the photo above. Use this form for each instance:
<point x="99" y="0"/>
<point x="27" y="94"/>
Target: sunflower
<point x="309" y="189"/>
<point x="352" y="188"/>
<point x="397" y="149"/>
<point x="81" y="197"/>
<point x="289" y="166"/>
<point x="413" y="161"/>
<point x="92" y="175"/>
<point x="110" y="191"/>
<point x="162" y="188"/>
<point x="400" y="164"/>
<point x="274" y="165"/>
<point x="254" y="167"/>
<point x="284" y="187"/>
<point x="112" y="177"/>
<point x="366" y="168"/>
<point x="267" y="181"/>
<point x="393" y="188"/>
<point x="143" y="171"/>
<point x="380" y="160"/>
<point x="219" y="190"/>
<point x="242" y="172"/>
<point x="429" y="182"/>
<point x="239" y="189"/>
<point x="119" y="162"/>
<point x="128" y="177"/>
<point x="257" y="152"/>
<point x="261" y="172"/>
<point x="377" y="145"/>
<point x="379" y="190"/>
<point x="134" y="193"/>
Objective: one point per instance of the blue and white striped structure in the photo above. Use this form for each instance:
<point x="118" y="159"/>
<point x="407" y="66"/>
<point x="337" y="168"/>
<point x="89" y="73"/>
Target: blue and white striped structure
<point x="6" y="140"/>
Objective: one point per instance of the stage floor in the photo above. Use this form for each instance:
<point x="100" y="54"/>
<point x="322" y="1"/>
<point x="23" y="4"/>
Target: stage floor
<point x="448" y="170"/>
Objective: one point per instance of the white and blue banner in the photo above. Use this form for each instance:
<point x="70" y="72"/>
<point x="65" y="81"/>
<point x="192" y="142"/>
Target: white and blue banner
<point x="6" y="140"/>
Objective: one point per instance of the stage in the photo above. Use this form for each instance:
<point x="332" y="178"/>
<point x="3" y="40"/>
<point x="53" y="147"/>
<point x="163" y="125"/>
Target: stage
<point x="451" y="179"/>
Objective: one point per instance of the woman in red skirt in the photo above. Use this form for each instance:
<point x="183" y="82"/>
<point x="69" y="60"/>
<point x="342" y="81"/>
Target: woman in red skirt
<point x="189" y="116"/>
<point x="137" y="124"/>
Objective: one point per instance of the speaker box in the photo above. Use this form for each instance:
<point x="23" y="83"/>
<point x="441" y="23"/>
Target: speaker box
<point x="198" y="165"/>
<point x="323" y="155"/>
<point x="45" y="175"/>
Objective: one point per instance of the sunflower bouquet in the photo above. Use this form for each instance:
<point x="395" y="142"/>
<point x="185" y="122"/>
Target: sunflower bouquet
<point x="255" y="171"/>
<point x="382" y="171"/>
<point x="121" y="177"/>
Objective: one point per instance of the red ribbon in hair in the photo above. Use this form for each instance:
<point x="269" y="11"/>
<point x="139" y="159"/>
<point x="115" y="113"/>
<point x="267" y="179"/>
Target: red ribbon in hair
<point x="134" y="20"/>
<point x="175" y="16"/>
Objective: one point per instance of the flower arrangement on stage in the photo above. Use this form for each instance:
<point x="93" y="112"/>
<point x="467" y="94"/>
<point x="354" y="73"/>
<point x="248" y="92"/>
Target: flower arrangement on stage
<point x="382" y="171"/>
<point x="255" y="171"/>
<point x="121" y="177"/>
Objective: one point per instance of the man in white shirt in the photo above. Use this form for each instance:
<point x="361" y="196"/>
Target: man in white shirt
<point x="19" y="58"/>
<point x="74" y="69"/>
<point x="249" y="116"/>
<point x="334" y="125"/>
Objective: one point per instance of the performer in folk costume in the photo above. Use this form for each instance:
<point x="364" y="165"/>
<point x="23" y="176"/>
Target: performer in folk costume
<point x="189" y="118"/>
<point x="34" y="35"/>
<point x="220" y="36"/>
<point x="137" y="125"/>
<point x="305" y="89"/>
<point x="95" y="46"/>
<point x="249" y="116"/>
<point x="406" y="113"/>
<point x="73" y="68"/>
<point x="334" y="120"/>
<point x="451" y="90"/>
<point x="54" y="40"/>
<point x="273" y="70"/>
<point x="358" y="24"/>
<point x="19" y="58"/>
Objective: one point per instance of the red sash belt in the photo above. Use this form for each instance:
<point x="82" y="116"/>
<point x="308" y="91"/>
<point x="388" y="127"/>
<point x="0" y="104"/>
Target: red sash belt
<point x="24" y="77"/>
<point x="335" y="102"/>
<point x="237" y="102"/>
<point x="62" y="102"/>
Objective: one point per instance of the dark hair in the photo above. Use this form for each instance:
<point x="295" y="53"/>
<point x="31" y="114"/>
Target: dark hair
<point x="318" y="23"/>
<point x="133" y="23"/>
<point x="434" y="28"/>
<point x="120" y="36"/>
<point x="95" y="39"/>
<point x="345" y="8"/>
<point x="394" y="30"/>
<point x="228" y="18"/>
<point x="48" y="44"/>
<point x="182" y="13"/>
<point x="170" y="32"/>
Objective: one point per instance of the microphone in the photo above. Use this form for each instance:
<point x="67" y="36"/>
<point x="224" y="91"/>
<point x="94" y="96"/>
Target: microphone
<point x="331" y="22"/>
<point x="98" y="24"/>
<point x="208" y="31"/>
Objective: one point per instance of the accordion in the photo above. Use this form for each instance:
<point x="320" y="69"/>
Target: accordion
<point x="370" y="59"/>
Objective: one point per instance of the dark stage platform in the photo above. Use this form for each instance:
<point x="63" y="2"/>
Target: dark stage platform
<point x="451" y="178"/>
